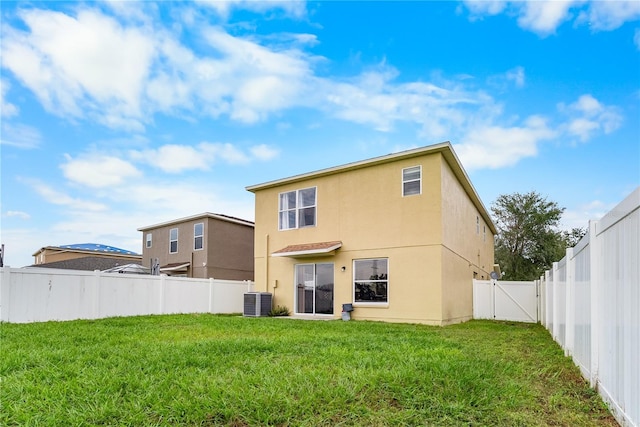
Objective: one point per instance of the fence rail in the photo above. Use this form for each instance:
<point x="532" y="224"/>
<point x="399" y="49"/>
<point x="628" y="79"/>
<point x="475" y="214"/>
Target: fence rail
<point x="590" y="302"/>
<point x="41" y="294"/>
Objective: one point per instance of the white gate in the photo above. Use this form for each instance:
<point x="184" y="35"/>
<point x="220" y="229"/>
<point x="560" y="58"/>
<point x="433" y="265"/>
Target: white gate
<point x="516" y="301"/>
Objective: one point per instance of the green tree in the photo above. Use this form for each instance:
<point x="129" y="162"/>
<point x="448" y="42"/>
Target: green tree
<point x="573" y="236"/>
<point x="528" y="241"/>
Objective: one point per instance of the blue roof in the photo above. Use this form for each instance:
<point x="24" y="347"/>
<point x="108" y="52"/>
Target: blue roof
<point x="97" y="247"/>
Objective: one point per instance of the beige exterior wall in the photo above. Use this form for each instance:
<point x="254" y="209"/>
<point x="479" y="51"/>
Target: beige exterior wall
<point x="467" y="249"/>
<point x="227" y="251"/>
<point x="425" y="237"/>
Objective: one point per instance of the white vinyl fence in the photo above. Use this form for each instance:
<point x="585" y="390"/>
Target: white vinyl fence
<point x="590" y="302"/>
<point x="44" y="294"/>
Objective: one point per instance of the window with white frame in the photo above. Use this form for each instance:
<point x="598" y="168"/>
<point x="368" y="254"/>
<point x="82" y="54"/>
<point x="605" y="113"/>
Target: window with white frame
<point x="371" y="280"/>
<point x="477" y="224"/>
<point x="412" y="181"/>
<point x="198" y="236"/>
<point x="173" y="241"/>
<point x="297" y="209"/>
<point x="148" y="240"/>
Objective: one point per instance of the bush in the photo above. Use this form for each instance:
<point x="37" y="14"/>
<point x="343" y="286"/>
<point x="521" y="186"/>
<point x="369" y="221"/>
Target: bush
<point x="279" y="310"/>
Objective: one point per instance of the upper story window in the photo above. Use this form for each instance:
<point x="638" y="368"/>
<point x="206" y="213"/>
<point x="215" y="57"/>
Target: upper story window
<point x="297" y="209"/>
<point x="412" y="181"/>
<point x="148" y="240"/>
<point x="173" y="241"/>
<point x="477" y="224"/>
<point x="198" y="236"/>
<point x="484" y="233"/>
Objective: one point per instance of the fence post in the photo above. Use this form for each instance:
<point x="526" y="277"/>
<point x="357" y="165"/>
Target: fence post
<point x="211" y="294"/>
<point x="163" y="278"/>
<point x="570" y="304"/>
<point x="556" y="327"/>
<point x="5" y="294"/>
<point x="548" y="294"/>
<point x="594" y="288"/>
<point x="95" y="301"/>
<point x="542" y="300"/>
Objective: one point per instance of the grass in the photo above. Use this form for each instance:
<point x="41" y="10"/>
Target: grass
<point x="205" y="370"/>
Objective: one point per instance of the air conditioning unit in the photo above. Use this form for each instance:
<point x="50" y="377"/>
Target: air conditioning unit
<point x="257" y="304"/>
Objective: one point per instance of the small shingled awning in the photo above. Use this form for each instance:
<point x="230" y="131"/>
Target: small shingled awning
<point x="309" y="249"/>
<point x="179" y="267"/>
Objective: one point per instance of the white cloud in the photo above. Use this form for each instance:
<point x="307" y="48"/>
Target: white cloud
<point x="587" y="116"/>
<point x="227" y="152"/>
<point x="579" y="216"/>
<point x="98" y="171"/>
<point x="516" y="75"/>
<point x="544" y="17"/>
<point x="88" y="63"/>
<point x="17" y="214"/>
<point x="374" y="98"/>
<point x="609" y="15"/>
<point x="56" y="197"/>
<point x="263" y="152"/>
<point x="19" y="135"/>
<point x="485" y="7"/>
<point x="506" y="81"/>
<point x="174" y="158"/>
<point x="292" y="8"/>
<point x="6" y="108"/>
<point x="496" y="147"/>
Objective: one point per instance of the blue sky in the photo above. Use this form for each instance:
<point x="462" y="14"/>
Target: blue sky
<point x="118" y="115"/>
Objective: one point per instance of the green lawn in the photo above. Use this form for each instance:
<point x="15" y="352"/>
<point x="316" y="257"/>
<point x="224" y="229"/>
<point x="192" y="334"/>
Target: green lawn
<point x="205" y="370"/>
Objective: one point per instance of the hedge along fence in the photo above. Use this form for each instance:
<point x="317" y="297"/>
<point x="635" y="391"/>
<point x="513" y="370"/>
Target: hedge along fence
<point x="41" y="294"/>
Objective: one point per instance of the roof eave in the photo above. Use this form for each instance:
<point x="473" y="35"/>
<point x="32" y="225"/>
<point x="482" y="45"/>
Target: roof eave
<point x="351" y="166"/>
<point x="198" y="216"/>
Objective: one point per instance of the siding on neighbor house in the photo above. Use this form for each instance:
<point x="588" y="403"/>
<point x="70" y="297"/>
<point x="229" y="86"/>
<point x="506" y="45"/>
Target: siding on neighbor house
<point x="227" y="251"/>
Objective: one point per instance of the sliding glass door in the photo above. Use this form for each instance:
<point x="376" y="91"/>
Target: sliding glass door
<point x="314" y="288"/>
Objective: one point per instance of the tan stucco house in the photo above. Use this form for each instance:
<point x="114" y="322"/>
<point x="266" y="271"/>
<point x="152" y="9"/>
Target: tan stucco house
<point x="206" y="245"/>
<point x="400" y="237"/>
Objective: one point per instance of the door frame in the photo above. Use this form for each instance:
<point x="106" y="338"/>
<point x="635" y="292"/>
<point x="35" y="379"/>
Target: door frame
<point x="315" y="276"/>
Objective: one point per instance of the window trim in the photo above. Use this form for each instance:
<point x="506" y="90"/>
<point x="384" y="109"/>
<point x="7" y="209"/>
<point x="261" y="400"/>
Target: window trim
<point x="419" y="180"/>
<point x="148" y="240"/>
<point x="173" y="240"/>
<point x="353" y="284"/>
<point x="195" y="237"/>
<point x="298" y="208"/>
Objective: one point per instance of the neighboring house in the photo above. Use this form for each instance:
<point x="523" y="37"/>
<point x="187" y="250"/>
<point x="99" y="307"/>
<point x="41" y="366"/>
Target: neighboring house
<point x="207" y="245"/>
<point x="400" y="237"/>
<point x="84" y="256"/>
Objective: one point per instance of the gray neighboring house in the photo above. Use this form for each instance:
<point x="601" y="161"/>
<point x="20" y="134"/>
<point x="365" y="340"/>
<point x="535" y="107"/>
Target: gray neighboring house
<point x="206" y="245"/>
<point x="84" y="256"/>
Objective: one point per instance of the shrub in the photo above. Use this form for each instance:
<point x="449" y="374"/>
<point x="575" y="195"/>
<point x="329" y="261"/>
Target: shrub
<point x="279" y="310"/>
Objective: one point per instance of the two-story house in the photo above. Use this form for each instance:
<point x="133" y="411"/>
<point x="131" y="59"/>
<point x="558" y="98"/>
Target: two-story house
<point x="206" y="245"/>
<point x="400" y="237"/>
